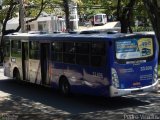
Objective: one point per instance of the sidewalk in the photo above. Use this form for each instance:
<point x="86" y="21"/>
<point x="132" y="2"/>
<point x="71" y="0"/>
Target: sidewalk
<point x="2" y="73"/>
<point x="109" y="25"/>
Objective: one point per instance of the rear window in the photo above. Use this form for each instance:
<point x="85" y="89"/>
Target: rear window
<point x="98" y="18"/>
<point x="134" y="48"/>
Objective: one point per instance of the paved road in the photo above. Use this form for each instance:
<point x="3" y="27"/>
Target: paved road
<point x="109" y="25"/>
<point x="27" y="101"/>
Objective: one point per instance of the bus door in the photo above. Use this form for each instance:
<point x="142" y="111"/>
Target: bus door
<point x="45" y="62"/>
<point x="25" y="60"/>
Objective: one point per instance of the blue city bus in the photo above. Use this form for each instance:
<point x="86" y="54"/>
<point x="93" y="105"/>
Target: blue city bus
<point x="96" y="64"/>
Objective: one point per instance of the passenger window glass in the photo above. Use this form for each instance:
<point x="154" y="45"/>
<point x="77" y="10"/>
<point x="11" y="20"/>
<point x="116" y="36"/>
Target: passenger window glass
<point x="34" y="45"/>
<point x="82" y="59"/>
<point x="7" y="49"/>
<point x="98" y="48"/>
<point x="69" y="52"/>
<point x="98" y="56"/>
<point x="16" y="48"/>
<point x="34" y="50"/>
<point x="82" y="53"/>
<point x="82" y="48"/>
<point x="69" y="47"/>
<point x="69" y="58"/>
<point x="98" y="61"/>
<point x="57" y="48"/>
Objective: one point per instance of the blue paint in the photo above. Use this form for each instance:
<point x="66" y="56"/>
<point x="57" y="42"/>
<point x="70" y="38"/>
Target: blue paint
<point x="137" y="73"/>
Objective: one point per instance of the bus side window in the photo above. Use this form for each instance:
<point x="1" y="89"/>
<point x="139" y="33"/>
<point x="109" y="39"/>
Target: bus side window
<point x="82" y="53"/>
<point x="16" y="48"/>
<point x="57" y="51"/>
<point x="98" y="52"/>
<point x="34" y="50"/>
<point x="69" y="52"/>
<point x="7" y="49"/>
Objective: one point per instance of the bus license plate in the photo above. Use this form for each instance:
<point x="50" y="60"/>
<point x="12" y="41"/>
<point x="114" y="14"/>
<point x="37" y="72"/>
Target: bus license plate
<point x="136" y="91"/>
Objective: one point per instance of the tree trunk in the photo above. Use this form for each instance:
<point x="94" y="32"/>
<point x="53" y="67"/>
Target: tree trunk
<point x="9" y="12"/>
<point x="8" y="16"/>
<point x="118" y="9"/>
<point x="126" y="16"/>
<point x="66" y="9"/>
<point x="153" y="9"/>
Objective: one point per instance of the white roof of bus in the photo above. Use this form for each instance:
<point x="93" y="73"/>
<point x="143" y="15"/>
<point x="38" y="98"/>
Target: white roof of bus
<point x="38" y="36"/>
<point x="101" y="14"/>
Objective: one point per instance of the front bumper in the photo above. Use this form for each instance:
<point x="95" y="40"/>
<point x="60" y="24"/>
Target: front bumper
<point x="114" y="92"/>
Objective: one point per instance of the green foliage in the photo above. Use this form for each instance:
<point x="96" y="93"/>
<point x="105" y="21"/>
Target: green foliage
<point x="140" y="29"/>
<point x="87" y="7"/>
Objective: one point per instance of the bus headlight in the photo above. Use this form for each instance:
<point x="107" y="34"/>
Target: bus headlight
<point x="115" y="80"/>
<point x="155" y="73"/>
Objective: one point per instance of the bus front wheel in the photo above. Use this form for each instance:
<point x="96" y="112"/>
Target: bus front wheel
<point x="64" y="87"/>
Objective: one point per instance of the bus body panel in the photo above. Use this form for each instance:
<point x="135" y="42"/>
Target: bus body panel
<point x="135" y="76"/>
<point x="16" y="63"/>
<point x="7" y="67"/>
<point x="34" y="71"/>
<point x="86" y="79"/>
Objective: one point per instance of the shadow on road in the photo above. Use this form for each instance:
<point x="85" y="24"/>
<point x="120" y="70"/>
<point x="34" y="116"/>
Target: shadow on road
<point x="73" y="105"/>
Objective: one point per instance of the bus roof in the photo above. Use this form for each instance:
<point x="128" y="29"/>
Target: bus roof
<point x="68" y="36"/>
<point x="100" y="14"/>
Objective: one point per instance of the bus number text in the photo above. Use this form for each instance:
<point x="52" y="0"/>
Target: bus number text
<point x="97" y="74"/>
<point x="146" y="68"/>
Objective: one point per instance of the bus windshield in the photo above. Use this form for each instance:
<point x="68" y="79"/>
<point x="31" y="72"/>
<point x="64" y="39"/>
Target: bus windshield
<point x="134" y="48"/>
<point x="98" y="18"/>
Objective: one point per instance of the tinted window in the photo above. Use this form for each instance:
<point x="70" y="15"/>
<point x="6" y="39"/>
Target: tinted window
<point x="98" y="61"/>
<point x="98" y="48"/>
<point x="82" y="48"/>
<point x="34" y="45"/>
<point x="98" y="51"/>
<point x="16" y="48"/>
<point x="57" y="49"/>
<point x="69" y="52"/>
<point x="68" y="58"/>
<point x="7" y="49"/>
<point x="34" y="50"/>
<point x="82" y="53"/>
<point x="69" y="47"/>
<point x="82" y="59"/>
<point x="57" y="46"/>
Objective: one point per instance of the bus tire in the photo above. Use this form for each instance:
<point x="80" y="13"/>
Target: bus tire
<point x="64" y="86"/>
<point x="16" y="75"/>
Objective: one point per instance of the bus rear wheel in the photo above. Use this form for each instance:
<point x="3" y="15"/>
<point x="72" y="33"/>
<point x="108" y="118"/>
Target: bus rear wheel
<point x="64" y="87"/>
<point x="16" y="75"/>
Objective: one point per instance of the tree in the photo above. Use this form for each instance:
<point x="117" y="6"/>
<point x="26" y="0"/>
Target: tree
<point x="153" y="9"/>
<point x="122" y="9"/>
<point x="125" y="15"/>
<point x="11" y="7"/>
<point x="66" y="10"/>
